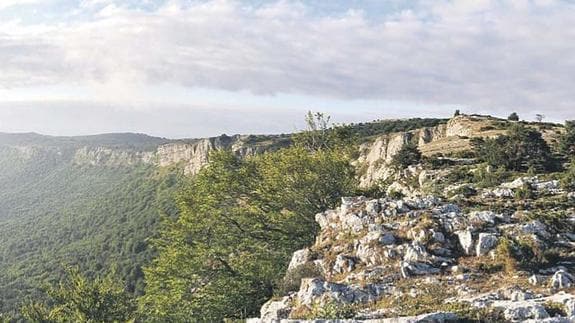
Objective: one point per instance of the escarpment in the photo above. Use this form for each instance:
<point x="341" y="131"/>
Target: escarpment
<point x="452" y="139"/>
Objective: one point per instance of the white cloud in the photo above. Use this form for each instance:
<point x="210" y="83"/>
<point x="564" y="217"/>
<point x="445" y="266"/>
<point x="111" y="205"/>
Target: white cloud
<point x="10" y="3"/>
<point x="516" y="54"/>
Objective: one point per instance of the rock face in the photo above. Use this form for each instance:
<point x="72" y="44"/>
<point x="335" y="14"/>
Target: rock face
<point x="451" y="137"/>
<point x="379" y="252"/>
<point x="194" y="154"/>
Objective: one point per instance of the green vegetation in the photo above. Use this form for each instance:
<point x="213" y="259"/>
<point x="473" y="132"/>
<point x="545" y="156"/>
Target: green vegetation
<point x="522" y="148"/>
<point x="54" y="211"/>
<point x="408" y="155"/>
<point x="513" y="117"/>
<point x="240" y="221"/>
<point x="367" y="130"/>
<point x="78" y="299"/>
<point x="567" y="142"/>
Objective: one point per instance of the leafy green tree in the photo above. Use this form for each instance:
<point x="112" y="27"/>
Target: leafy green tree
<point x="240" y="221"/>
<point x="320" y="134"/>
<point x="408" y="155"/>
<point x="78" y="299"/>
<point x="513" y="117"/>
<point x="521" y="149"/>
<point x="567" y="141"/>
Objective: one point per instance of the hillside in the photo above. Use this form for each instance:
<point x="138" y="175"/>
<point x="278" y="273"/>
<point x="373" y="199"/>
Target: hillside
<point x="449" y="218"/>
<point x="445" y="238"/>
<point x="93" y="201"/>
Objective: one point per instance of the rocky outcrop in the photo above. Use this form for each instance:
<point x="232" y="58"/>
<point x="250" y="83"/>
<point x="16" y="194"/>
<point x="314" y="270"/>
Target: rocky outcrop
<point x="102" y="156"/>
<point x="193" y="155"/>
<point x="447" y="138"/>
<point x="376" y="252"/>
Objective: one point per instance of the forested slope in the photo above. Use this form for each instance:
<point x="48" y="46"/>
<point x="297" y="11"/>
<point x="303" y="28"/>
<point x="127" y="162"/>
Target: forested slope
<point x="54" y="212"/>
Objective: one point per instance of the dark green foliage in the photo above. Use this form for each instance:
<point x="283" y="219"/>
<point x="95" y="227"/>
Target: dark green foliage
<point x="568" y="179"/>
<point x="519" y="150"/>
<point x="567" y="141"/>
<point x="240" y="221"/>
<point x="78" y="299"/>
<point x="408" y="155"/>
<point x="513" y="117"/>
<point x="457" y="113"/>
<point x="380" y="127"/>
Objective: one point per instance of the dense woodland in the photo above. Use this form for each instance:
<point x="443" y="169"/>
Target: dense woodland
<point x="162" y="247"/>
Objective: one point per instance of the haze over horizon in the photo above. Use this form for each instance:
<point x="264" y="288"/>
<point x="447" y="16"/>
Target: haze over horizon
<point x="176" y="68"/>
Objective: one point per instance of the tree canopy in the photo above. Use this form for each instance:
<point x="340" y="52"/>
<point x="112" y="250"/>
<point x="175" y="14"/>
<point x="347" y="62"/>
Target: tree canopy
<point x="240" y="221"/>
<point x="522" y="148"/>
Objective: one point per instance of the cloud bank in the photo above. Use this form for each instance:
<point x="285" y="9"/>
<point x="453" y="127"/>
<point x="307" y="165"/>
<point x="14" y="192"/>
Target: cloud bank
<point x="515" y="54"/>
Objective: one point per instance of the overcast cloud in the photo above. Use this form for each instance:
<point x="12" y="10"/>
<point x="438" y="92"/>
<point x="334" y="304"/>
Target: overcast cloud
<point x="481" y="54"/>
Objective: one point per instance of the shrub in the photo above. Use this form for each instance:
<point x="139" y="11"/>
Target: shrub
<point x="408" y="155"/>
<point x="522" y="148"/>
<point x="567" y="141"/>
<point x="555" y="309"/>
<point x="568" y="179"/>
<point x="525" y="192"/>
<point x="513" y="117"/>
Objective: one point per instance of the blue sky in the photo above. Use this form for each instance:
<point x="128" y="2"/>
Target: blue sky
<point x="180" y="68"/>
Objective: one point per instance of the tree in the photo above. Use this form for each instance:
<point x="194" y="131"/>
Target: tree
<point x="567" y="141"/>
<point x="513" y="117"/>
<point x="539" y="117"/>
<point x="321" y="134"/>
<point x="409" y="154"/>
<point x="78" y="299"/>
<point x="522" y="148"/>
<point x="457" y="113"/>
<point x="240" y="221"/>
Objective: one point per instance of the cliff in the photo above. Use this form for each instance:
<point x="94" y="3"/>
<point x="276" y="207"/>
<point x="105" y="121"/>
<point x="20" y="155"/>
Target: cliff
<point x="448" y="139"/>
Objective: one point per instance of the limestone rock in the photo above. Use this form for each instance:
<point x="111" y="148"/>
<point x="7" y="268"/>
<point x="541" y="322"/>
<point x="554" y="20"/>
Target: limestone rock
<point x="485" y="242"/>
<point x="466" y="241"/>
<point x="562" y="279"/>
<point x="276" y="309"/>
<point x="299" y="258"/>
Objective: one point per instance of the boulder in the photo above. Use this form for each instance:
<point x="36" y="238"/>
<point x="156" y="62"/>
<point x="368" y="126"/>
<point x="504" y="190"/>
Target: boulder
<point x="276" y="310"/>
<point x="343" y="264"/>
<point x="521" y="311"/>
<point x="562" y="279"/>
<point x="466" y="241"/>
<point x="485" y="242"/>
<point x="299" y="258"/>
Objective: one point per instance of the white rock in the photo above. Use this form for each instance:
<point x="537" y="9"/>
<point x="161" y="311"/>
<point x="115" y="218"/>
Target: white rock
<point x="537" y="280"/>
<point x="521" y="311"/>
<point x="299" y="258"/>
<point x="482" y="217"/>
<point x="466" y="241"/>
<point x="485" y="242"/>
<point x="416" y="253"/>
<point x="562" y="279"/>
<point x="276" y="310"/>
<point x="343" y="264"/>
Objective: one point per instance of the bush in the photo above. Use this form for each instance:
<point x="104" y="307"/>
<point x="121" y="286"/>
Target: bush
<point x="513" y="117"/>
<point x="525" y="192"/>
<point x="408" y="155"/>
<point x="522" y="148"/>
<point x="568" y="179"/>
<point x="567" y="141"/>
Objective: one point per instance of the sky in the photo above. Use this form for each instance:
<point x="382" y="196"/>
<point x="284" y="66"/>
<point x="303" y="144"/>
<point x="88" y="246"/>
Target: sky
<point x="191" y="68"/>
